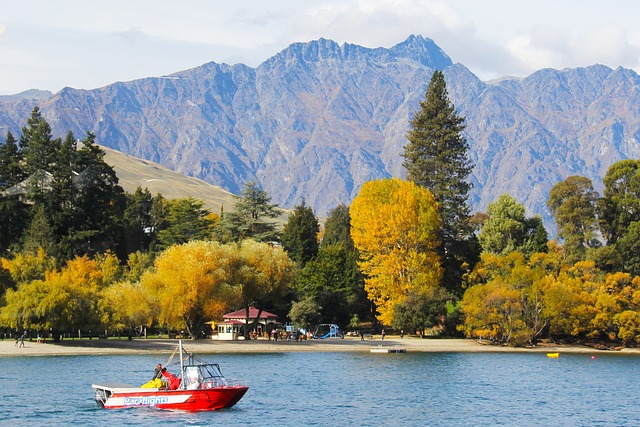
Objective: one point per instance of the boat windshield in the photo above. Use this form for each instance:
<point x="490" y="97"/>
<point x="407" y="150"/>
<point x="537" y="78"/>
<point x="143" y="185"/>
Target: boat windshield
<point x="205" y="375"/>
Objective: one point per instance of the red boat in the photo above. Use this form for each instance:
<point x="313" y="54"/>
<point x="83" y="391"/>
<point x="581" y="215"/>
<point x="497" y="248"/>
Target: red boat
<point x="199" y="386"/>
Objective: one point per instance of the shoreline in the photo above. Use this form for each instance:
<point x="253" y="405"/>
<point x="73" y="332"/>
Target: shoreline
<point x="71" y="347"/>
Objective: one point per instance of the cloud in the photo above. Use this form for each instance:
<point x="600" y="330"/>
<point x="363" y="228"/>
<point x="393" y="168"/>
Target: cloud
<point x="375" y="23"/>
<point x="550" y="47"/>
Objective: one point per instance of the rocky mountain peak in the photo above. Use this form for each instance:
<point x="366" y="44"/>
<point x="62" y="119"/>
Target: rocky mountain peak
<point x="318" y="119"/>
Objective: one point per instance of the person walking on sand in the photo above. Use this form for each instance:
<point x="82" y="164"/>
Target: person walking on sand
<point x="22" y="339"/>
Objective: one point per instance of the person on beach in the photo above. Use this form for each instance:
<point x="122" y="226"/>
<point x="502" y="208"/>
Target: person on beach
<point x="382" y="335"/>
<point x="22" y="339"/>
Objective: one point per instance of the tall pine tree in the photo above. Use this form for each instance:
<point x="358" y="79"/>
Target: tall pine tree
<point x="436" y="158"/>
<point x="300" y="235"/>
<point x="249" y="218"/>
<point x="13" y="210"/>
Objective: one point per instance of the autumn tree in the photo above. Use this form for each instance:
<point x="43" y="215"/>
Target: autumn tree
<point x="394" y="226"/>
<point x="191" y="284"/>
<point x="263" y="274"/>
<point x="125" y="306"/>
<point x="65" y="300"/>
<point x="436" y="159"/>
<point x="25" y="267"/>
<point x="504" y="300"/>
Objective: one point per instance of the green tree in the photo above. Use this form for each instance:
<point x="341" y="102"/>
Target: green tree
<point x="507" y="229"/>
<point x="187" y="221"/>
<point x="573" y="202"/>
<point x="39" y="148"/>
<point x="13" y="210"/>
<point x="329" y="279"/>
<point x="39" y="235"/>
<point x="620" y="204"/>
<point x="250" y="217"/>
<point x="60" y="200"/>
<point x="99" y="203"/>
<point x="628" y="248"/>
<point x="11" y="171"/>
<point x="305" y="313"/>
<point x="300" y="235"/>
<point x="337" y="227"/>
<point x="418" y="312"/>
<point x="436" y="159"/>
<point x="137" y="220"/>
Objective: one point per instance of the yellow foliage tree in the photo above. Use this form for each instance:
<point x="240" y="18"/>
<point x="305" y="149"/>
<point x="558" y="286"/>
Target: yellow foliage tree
<point x="263" y="274"/>
<point x="65" y="300"/>
<point x="394" y="226"/>
<point x="25" y="267"/>
<point x="192" y="283"/>
<point x="125" y="305"/>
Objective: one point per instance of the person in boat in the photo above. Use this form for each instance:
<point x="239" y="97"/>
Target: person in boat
<point x="157" y="373"/>
<point x="174" y="382"/>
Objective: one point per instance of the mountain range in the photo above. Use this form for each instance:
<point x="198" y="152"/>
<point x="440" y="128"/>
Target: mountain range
<point x="318" y="119"/>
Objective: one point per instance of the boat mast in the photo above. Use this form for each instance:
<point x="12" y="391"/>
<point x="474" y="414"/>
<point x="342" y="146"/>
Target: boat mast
<point x="182" y="383"/>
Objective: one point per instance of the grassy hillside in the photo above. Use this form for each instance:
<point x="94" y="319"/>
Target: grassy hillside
<point x="133" y="173"/>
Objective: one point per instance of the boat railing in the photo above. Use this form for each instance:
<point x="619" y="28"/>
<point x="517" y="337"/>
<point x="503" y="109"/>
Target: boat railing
<point x="222" y="382"/>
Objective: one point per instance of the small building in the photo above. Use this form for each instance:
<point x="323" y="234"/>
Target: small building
<point x="233" y="324"/>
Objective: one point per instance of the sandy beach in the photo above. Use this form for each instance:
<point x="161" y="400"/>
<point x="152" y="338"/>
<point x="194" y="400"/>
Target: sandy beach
<point x="208" y="346"/>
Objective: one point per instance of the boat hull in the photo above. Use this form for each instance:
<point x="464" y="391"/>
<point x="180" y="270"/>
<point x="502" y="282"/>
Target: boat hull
<point x="188" y="400"/>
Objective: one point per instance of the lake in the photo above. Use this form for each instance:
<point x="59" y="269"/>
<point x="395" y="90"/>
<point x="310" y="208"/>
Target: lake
<point x="343" y="389"/>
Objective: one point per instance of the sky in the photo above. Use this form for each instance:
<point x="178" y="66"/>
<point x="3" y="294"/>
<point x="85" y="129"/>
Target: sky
<point x="52" y="44"/>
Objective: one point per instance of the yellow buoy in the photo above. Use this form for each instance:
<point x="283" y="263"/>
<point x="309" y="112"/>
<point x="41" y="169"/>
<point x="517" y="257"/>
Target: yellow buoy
<point x="553" y="355"/>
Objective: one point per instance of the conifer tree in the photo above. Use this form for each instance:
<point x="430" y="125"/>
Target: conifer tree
<point x="300" y="235"/>
<point x="13" y="210"/>
<point x="337" y="227"/>
<point x="249" y="218"/>
<point x="10" y="156"/>
<point x="37" y="144"/>
<point x="436" y="158"/>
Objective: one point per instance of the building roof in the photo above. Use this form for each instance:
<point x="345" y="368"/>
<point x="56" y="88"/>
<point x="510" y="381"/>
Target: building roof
<point x="253" y="313"/>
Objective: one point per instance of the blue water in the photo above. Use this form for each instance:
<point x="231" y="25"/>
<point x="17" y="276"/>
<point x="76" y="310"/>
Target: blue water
<point x="343" y="389"/>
